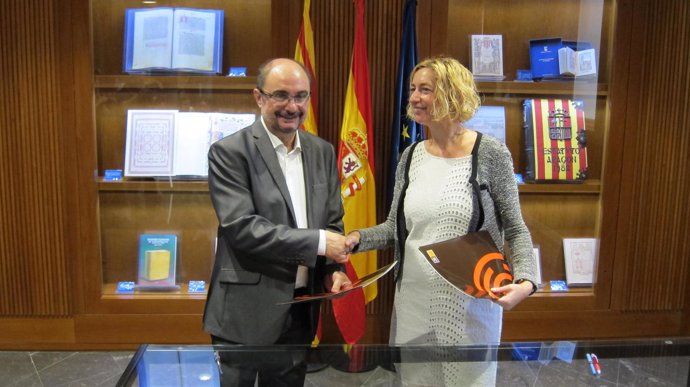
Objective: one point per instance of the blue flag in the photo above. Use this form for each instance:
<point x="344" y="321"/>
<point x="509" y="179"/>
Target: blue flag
<point x="405" y="130"/>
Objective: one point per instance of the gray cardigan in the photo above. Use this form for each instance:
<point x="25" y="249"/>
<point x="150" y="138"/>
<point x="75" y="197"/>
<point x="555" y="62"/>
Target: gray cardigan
<point x="500" y="209"/>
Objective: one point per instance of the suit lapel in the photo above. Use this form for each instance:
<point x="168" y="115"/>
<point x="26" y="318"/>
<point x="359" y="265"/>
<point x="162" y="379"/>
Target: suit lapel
<point x="268" y="154"/>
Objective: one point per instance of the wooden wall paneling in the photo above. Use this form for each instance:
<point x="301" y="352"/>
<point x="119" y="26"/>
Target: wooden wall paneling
<point x="587" y="324"/>
<point x="34" y="275"/>
<point x="620" y="64"/>
<point x="87" y="272"/>
<point x="651" y="252"/>
<point x="431" y="30"/>
<point x="285" y="20"/>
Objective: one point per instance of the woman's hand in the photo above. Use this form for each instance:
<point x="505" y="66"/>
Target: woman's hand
<point x="352" y="240"/>
<point x="512" y="294"/>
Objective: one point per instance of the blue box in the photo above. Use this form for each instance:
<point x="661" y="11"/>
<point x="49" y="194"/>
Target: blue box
<point x="524" y="76"/>
<point x="125" y="287"/>
<point x="543" y="56"/>
<point x="237" y="72"/>
<point x="196" y="286"/>
<point x="526" y="351"/>
<point x="113" y="175"/>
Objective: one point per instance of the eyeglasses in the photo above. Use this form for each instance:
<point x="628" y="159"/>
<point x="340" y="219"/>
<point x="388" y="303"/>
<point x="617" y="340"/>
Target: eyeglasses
<point x="283" y="96"/>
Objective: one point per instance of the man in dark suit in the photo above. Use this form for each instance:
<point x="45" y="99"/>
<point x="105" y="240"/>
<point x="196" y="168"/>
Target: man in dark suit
<point x="276" y="192"/>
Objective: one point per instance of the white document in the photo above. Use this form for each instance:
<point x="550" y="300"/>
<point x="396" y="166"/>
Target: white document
<point x="580" y="254"/>
<point x="225" y="124"/>
<point x="152" y="39"/>
<point x="193" y="40"/>
<point x="489" y="120"/>
<point x="191" y="149"/>
<point x="150" y="142"/>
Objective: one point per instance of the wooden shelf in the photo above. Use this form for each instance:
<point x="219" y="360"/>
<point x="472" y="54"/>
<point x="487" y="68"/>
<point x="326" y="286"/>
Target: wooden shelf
<point x="173" y="82"/>
<point x="539" y="88"/>
<point x="153" y="186"/>
<point x="110" y="292"/>
<point x="571" y="292"/>
<point x="587" y="187"/>
<point x="217" y="82"/>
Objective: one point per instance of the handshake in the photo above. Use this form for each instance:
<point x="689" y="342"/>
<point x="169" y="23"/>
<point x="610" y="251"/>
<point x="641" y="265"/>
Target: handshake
<point x="339" y="247"/>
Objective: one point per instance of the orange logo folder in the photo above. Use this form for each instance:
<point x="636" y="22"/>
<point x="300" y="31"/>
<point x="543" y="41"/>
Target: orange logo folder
<point x="472" y="263"/>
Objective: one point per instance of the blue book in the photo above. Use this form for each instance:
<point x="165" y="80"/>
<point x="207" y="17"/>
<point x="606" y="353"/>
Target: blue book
<point x="165" y="39"/>
<point x="543" y="55"/>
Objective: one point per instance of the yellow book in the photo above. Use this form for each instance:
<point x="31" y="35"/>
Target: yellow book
<point x="156" y="265"/>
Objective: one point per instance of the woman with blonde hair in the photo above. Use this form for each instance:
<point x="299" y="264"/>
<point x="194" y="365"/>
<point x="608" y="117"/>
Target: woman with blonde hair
<point x="457" y="181"/>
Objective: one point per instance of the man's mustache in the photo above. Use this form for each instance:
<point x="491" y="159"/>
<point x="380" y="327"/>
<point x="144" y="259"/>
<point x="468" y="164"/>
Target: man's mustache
<point x="289" y="115"/>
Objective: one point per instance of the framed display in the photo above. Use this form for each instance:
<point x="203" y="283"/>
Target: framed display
<point x="579" y="260"/>
<point x="486" y="53"/>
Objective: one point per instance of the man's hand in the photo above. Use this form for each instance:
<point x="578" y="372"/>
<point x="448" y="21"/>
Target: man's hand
<point x="513" y="294"/>
<point x="336" y="248"/>
<point x="338" y="281"/>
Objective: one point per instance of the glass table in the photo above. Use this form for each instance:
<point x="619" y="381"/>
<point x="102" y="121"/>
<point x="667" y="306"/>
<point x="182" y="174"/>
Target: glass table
<point x="643" y="362"/>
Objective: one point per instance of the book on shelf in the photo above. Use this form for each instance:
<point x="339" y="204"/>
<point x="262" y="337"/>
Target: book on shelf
<point x="543" y="56"/>
<point x="157" y="260"/>
<point x="173" y="39"/>
<point x="169" y="143"/>
<point x="489" y="120"/>
<point x="486" y="57"/>
<point x="576" y="63"/>
<point x="471" y="263"/>
<point x="555" y="140"/>
<point x="580" y="259"/>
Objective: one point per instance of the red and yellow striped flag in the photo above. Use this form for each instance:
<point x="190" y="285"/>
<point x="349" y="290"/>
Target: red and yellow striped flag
<point x="358" y="190"/>
<point x="304" y="54"/>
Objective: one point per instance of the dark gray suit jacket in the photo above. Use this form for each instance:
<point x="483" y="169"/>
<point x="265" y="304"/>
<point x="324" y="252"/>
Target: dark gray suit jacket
<point x="259" y="246"/>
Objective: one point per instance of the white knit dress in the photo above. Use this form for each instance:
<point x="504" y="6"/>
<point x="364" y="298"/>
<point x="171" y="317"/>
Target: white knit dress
<point x="427" y="309"/>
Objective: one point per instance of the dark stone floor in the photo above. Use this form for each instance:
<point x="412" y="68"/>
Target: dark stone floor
<point x="76" y="369"/>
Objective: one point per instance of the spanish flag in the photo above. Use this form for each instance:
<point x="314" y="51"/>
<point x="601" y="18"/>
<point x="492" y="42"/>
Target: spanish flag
<point x="358" y="189"/>
<point x="304" y="54"/>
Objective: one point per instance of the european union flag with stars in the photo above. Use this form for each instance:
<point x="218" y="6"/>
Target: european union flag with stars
<point x="405" y="130"/>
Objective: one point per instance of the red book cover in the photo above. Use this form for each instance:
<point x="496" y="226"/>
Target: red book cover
<point x="555" y="140"/>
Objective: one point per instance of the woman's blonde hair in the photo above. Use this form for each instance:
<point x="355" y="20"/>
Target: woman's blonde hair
<point x="455" y="90"/>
